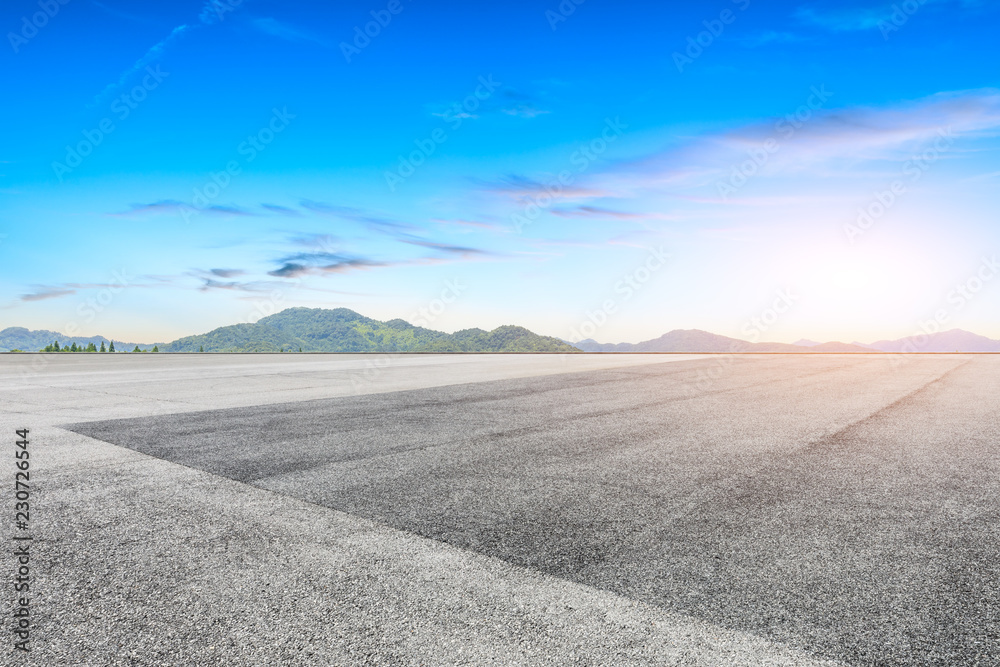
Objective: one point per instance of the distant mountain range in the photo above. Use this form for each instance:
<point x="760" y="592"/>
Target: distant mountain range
<point x="954" y="340"/>
<point x="343" y="330"/>
<point x="695" y="340"/>
<point x="19" y="338"/>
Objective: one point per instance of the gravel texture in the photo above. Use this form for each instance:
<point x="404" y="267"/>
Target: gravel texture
<point x="844" y="507"/>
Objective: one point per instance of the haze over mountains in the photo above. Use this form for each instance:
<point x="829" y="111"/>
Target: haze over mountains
<point x="954" y="340"/>
<point x="343" y="330"/>
<point x="696" y="340"/>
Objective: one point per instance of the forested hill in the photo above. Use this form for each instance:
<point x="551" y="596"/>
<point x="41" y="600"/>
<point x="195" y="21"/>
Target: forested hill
<point x="343" y="330"/>
<point x="26" y="340"/>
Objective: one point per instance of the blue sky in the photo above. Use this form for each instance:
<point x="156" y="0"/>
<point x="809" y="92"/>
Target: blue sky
<point x="768" y="171"/>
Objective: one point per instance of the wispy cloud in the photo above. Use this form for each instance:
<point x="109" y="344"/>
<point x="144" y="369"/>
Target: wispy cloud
<point x="322" y="259"/>
<point x="282" y="210"/>
<point x="275" y="28"/>
<point x="773" y="37"/>
<point x="373" y="222"/>
<point x="468" y="225"/>
<point x="847" y="19"/>
<point x="41" y="293"/>
<point x="872" y="133"/>
<point x="221" y="279"/>
<point x="154" y="53"/>
<point x="447" y="248"/>
<point x="303" y="264"/>
<point x="211" y="283"/>
<point x="507" y="101"/>
<point x="523" y="110"/>
<point x="219" y="209"/>
<point x="843" y="19"/>
<point x="847" y="143"/>
<point x="521" y="187"/>
<point x="211" y="12"/>
<point x="829" y="143"/>
<point x="596" y="212"/>
<point x="120" y="14"/>
<point x="313" y="240"/>
<point x="638" y="238"/>
<point x="343" y="212"/>
<point x="451" y="114"/>
<point x="227" y="273"/>
<point x="518" y="103"/>
<point x="174" y="206"/>
<point x="160" y="206"/>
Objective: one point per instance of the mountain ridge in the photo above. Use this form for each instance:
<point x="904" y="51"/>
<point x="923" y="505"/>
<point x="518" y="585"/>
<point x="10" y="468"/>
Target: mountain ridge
<point x="27" y="340"/>
<point x="699" y="341"/>
<point x="344" y="330"/>
<point x="953" y="340"/>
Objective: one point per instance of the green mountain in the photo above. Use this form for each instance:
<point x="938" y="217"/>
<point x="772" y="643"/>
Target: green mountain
<point x="19" y="338"/>
<point x="343" y="330"/>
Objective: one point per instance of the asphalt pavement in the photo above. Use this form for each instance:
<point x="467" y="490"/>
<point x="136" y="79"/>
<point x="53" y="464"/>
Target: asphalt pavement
<point x="792" y="506"/>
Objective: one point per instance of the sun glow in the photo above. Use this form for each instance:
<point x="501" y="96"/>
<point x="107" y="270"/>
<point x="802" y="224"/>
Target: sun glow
<point x="851" y="278"/>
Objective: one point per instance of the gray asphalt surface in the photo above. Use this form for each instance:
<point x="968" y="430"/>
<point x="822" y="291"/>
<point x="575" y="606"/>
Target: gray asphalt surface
<point x="843" y="505"/>
<point x="140" y="561"/>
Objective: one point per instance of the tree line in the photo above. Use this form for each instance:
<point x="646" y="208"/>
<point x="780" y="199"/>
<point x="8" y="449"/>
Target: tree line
<point x="90" y="347"/>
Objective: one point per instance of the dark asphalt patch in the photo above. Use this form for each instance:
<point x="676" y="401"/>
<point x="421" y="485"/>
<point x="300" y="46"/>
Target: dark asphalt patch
<point x="826" y="502"/>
